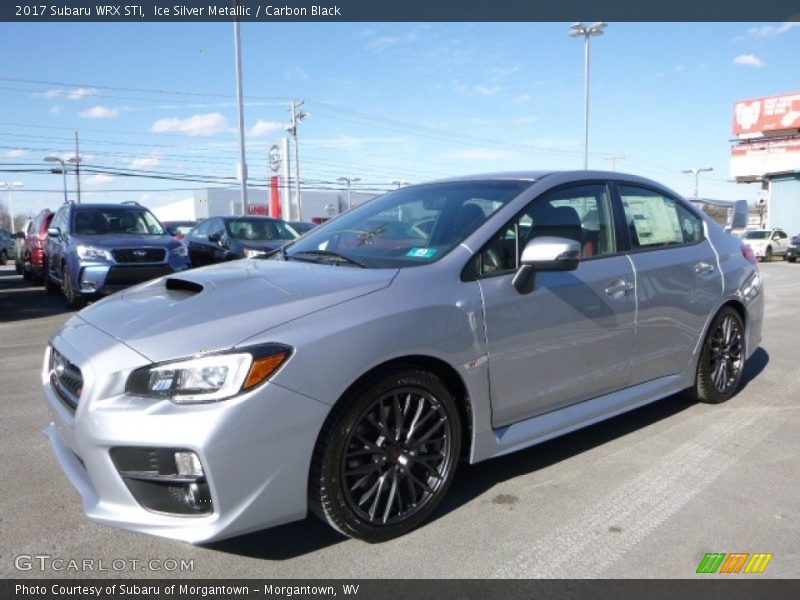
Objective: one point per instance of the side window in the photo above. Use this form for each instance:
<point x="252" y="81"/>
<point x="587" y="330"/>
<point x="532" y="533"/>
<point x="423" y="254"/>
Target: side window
<point x="581" y="213"/>
<point x="217" y="227"/>
<point x="201" y="231"/>
<point x="656" y="220"/>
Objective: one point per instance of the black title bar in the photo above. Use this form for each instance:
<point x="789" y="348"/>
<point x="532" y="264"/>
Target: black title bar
<point x="272" y="11"/>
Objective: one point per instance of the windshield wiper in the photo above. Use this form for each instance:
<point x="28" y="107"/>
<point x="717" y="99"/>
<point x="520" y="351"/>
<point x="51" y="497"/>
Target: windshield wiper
<point x="323" y="254"/>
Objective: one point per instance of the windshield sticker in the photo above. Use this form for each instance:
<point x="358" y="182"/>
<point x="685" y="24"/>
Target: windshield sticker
<point x="422" y="252"/>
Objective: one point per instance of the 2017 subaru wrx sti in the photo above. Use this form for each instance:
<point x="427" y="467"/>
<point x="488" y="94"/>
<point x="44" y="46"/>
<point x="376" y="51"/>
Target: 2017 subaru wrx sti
<point x="350" y="372"/>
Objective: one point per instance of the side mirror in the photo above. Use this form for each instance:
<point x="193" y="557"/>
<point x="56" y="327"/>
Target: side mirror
<point x="54" y="232"/>
<point x="172" y="231"/>
<point x="546" y="253"/>
<point x="20" y="235"/>
<point x="214" y="237"/>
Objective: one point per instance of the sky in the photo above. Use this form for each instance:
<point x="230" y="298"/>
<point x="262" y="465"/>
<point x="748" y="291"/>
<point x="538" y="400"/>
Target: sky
<point x="386" y="102"/>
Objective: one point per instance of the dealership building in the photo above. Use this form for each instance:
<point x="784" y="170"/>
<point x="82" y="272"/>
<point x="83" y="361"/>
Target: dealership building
<point x="766" y="150"/>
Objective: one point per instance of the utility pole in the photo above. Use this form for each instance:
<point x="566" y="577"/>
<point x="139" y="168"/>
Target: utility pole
<point x="77" y="168"/>
<point x="297" y="117"/>
<point x="586" y="31"/>
<point x="613" y="160"/>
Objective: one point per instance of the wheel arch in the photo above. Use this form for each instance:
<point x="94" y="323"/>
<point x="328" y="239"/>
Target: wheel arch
<point x="449" y="376"/>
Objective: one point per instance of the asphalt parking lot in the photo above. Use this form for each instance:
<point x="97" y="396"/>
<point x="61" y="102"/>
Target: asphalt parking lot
<point x="644" y="495"/>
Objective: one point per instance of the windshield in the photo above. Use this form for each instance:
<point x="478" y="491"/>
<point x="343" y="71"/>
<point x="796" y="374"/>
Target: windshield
<point x="115" y="220"/>
<point x="756" y="235"/>
<point x="411" y="226"/>
<point x="260" y="229"/>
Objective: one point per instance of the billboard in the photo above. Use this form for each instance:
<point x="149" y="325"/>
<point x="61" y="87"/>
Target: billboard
<point x="762" y="157"/>
<point x="760" y="116"/>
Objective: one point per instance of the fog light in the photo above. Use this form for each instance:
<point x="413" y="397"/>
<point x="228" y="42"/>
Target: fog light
<point x="197" y="496"/>
<point x="188" y="464"/>
<point x="88" y="286"/>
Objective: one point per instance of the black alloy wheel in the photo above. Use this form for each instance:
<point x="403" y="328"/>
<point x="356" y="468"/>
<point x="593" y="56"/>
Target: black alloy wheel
<point x="722" y="358"/>
<point x="385" y="459"/>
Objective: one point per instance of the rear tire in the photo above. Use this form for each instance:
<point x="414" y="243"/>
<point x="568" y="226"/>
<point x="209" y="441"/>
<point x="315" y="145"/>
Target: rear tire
<point x="792" y="259"/>
<point x="719" y="370"/>
<point x="768" y="254"/>
<point x="386" y="455"/>
<point x="3" y="257"/>
<point x="50" y="286"/>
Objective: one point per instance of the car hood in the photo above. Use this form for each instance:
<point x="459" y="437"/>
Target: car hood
<point x="755" y="242"/>
<point x="262" y="244"/>
<point x="218" y="307"/>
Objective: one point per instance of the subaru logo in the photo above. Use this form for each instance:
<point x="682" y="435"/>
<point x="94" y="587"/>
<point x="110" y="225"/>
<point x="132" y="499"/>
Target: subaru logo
<point x="140" y="253"/>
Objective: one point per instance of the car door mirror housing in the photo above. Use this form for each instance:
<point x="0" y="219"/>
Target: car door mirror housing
<point x="53" y="232"/>
<point x="546" y="253"/>
<point x="214" y="237"/>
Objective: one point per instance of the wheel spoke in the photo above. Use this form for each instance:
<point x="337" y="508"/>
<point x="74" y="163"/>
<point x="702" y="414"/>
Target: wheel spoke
<point x="390" y="500"/>
<point x="374" y="507"/>
<point x="417" y="443"/>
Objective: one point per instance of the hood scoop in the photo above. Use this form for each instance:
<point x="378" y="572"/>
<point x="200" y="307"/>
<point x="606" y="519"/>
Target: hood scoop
<point x="183" y="285"/>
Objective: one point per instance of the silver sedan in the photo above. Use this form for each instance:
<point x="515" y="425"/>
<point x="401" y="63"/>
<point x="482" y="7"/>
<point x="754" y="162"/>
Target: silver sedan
<point x="349" y="372"/>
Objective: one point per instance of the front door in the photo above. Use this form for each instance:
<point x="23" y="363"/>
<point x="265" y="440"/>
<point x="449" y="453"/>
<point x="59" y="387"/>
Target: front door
<point x="571" y="338"/>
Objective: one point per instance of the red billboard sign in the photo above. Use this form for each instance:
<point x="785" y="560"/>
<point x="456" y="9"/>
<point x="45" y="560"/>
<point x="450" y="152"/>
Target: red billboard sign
<point x="759" y="116"/>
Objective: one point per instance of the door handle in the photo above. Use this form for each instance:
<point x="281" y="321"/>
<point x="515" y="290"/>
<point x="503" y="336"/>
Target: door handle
<point x="703" y="268"/>
<point x="618" y="288"/>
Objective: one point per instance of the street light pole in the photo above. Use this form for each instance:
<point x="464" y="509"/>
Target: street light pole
<point x="587" y="31"/>
<point x="11" y="186"/>
<point x="697" y="171"/>
<point x="349" y="181"/>
<point x="240" y="101"/>
<point x="59" y="160"/>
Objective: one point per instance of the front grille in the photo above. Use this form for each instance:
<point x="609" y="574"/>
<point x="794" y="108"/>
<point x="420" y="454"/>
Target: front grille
<point x="139" y="255"/>
<point x="131" y="275"/>
<point x="66" y="379"/>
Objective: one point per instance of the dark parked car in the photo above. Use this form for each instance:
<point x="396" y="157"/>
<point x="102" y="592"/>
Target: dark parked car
<point x="793" y="249"/>
<point x="32" y="253"/>
<point x="227" y="238"/>
<point x="179" y="229"/>
<point x="96" y="249"/>
<point x="301" y="227"/>
<point x="6" y="246"/>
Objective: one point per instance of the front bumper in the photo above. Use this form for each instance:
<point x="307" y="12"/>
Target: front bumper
<point x="106" y="278"/>
<point x="792" y="252"/>
<point x="255" y="449"/>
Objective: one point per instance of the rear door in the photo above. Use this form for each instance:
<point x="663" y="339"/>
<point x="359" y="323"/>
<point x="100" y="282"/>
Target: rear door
<point x="677" y="280"/>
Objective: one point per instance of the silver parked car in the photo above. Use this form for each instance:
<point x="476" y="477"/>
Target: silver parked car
<point x="349" y="372"/>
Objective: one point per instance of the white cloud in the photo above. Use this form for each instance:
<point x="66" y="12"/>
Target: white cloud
<point x="207" y="124"/>
<point x="295" y="73"/>
<point x="478" y="154"/>
<point x="749" y="60"/>
<point x="477" y="90"/>
<point x="100" y="179"/>
<point x="145" y="162"/>
<point x="384" y="42"/>
<point x="679" y="68"/>
<point x="16" y="153"/>
<point x="100" y="112"/>
<point x="265" y="128"/>
<point x="52" y="94"/>
<point x="768" y="31"/>
<point x="55" y="109"/>
<point x="80" y="93"/>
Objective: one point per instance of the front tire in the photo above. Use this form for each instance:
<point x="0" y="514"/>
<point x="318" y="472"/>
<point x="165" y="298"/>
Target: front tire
<point x="719" y="371"/>
<point x="768" y="254"/>
<point x="74" y="299"/>
<point x="386" y="456"/>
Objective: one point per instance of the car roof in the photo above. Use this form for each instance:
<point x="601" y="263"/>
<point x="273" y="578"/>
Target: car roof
<point x="564" y="176"/>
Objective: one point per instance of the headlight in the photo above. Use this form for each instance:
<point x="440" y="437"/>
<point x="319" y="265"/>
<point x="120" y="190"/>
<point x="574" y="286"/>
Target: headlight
<point x="92" y="252"/>
<point x="252" y="252"/>
<point x="180" y="251"/>
<point x="208" y="378"/>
